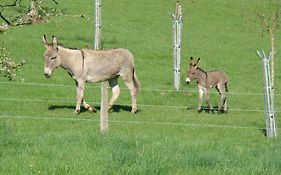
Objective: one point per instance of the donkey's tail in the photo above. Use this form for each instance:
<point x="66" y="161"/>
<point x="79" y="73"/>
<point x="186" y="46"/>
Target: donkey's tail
<point x="136" y="81"/>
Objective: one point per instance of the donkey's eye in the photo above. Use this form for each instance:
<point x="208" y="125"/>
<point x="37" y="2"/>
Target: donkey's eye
<point x="52" y="58"/>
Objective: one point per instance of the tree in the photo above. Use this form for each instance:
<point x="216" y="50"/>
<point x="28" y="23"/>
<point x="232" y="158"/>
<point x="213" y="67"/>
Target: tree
<point x="264" y="16"/>
<point x="32" y="14"/>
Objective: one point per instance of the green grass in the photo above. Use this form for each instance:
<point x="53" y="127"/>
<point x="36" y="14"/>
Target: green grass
<point x="40" y="134"/>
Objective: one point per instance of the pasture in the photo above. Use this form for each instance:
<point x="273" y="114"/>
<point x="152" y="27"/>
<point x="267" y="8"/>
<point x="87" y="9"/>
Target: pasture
<point x="40" y="134"/>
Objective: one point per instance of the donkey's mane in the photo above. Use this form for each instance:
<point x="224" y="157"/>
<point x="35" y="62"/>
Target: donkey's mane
<point x="71" y="48"/>
<point x="205" y="72"/>
<point x="87" y="48"/>
<point x="198" y="68"/>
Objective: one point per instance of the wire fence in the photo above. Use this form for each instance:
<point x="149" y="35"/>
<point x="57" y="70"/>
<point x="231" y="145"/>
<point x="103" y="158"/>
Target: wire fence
<point x="255" y="109"/>
<point x="143" y="89"/>
<point x="125" y="122"/>
<point x="140" y="105"/>
<point x="129" y="122"/>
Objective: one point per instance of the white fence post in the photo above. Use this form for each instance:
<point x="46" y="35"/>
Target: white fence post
<point x="104" y="93"/>
<point x="177" y="44"/>
<point x="268" y="90"/>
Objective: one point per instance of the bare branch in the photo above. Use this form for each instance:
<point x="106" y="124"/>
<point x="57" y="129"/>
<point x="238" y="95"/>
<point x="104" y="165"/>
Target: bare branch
<point x="55" y="2"/>
<point x="15" y="3"/>
<point x="5" y="19"/>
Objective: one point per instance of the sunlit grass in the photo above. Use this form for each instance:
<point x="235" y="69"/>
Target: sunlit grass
<point x="40" y="134"/>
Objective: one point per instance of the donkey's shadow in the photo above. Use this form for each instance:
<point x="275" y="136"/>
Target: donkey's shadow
<point x="59" y="107"/>
<point x="119" y="108"/>
<point x="115" y="108"/>
<point x="206" y="109"/>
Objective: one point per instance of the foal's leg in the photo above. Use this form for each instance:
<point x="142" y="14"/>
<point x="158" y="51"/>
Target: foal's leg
<point x="113" y="83"/>
<point x="222" y="104"/>
<point x="79" y="95"/>
<point x="225" y="105"/>
<point x="207" y="98"/>
<point x="200" y="97"/>
<point x="225" y="100"/>
<point x="222" y="107"/>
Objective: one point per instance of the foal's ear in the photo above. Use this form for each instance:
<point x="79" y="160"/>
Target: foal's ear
<point x="55" y="43"/>
<point x="45" y="41"/>
<point x="197" y="62"/>
<point x="190" y="60"/>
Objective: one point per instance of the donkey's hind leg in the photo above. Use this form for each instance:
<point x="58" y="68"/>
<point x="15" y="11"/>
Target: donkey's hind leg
<point x="207" y="98"/>
<point x="223" y="103"/>
<point x="225" y="100"/>
<point x="113" y="83"/>
<point x="133" y="90"/>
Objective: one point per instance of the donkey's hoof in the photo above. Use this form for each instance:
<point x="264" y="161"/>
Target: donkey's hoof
<point x="199" y="110"/>
<point x="109" y="107"/>
<point x="77" y="111"/>
<point x="134" y="111"/>
<point x="222" y="111"/>
<point x="93" y="109"/>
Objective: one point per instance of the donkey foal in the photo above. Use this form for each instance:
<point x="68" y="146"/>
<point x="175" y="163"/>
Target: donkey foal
<point x="206" y="81"/>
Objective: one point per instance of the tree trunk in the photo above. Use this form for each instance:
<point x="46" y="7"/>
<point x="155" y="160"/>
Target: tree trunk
<point x="273" y="55"/>
<point x="34" y="12"/>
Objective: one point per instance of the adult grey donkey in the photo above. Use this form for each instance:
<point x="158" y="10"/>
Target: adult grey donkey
<point x="91" y="66"/>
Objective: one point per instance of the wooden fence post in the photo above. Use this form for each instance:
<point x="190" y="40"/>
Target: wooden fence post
<point x="104" y="92"/>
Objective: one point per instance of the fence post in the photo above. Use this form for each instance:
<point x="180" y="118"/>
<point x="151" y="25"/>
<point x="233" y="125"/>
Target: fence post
<point x="268" y="91"/>
<point x="177" y="43"/>
<point x="104" y="93"/>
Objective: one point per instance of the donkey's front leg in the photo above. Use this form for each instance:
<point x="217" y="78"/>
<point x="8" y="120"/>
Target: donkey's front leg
<point x="200" y="97"/>
<point x="79" y="95"/>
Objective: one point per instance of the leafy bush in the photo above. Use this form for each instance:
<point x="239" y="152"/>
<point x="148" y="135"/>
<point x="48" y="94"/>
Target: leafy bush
<point x="8" y="67"/>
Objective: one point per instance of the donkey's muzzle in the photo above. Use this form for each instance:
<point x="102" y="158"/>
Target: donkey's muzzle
<point x="187" y="80"/>
<point x="47" y="72"/>
<point x="47" y="75"/>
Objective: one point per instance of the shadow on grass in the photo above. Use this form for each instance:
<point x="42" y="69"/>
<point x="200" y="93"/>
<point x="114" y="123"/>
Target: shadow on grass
<point x="115" y="108"/>
<point x="206" y="109"/>
<point x="59" y="107"/>
<point x="119" y="108"/>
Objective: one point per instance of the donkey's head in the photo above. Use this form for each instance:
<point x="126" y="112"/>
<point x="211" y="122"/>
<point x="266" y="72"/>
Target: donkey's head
<point x="191" y="73"/>
<point x="52" y="59"/>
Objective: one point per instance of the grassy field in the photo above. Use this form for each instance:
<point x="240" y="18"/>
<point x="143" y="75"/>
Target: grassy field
<point x="40" y="134"/>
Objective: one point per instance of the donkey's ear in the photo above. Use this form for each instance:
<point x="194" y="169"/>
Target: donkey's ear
<point x="197" y="62"/>
<point x="45" y="41"/>
<point x="55" y="43"/>
<point x="191" y="61"/>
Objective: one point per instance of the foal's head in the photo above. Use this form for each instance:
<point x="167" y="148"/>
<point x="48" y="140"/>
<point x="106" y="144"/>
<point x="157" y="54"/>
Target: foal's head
<point x="52" y="59"/>
<point x="191" y="73"/>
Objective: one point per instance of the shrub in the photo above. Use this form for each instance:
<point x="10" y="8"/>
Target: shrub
<point x="8" y="67"/>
